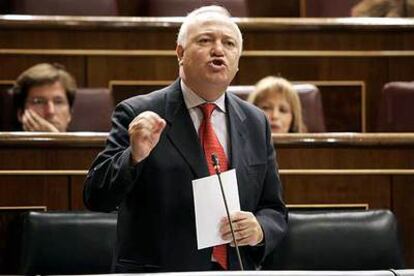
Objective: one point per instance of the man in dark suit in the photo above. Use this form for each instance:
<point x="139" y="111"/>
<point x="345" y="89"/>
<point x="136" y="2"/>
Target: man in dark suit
<point x="153" y="153"/>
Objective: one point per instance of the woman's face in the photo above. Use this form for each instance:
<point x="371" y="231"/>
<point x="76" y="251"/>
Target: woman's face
<point x="279" y="112"/>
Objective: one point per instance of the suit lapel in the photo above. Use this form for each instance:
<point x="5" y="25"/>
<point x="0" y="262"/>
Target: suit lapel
<point x="236" y="119"/>
<point x="181" y="131"/>
<point x="238" y="145"/>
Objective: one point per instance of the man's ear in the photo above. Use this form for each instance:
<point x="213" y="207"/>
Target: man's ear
<point x="180" y="53"/>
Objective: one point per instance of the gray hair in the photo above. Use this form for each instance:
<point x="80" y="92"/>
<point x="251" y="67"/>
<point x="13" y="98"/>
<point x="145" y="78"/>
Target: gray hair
<point x="204" y="12"/>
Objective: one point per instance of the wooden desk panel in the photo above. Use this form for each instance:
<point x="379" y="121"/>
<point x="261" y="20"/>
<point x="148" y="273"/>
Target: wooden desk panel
<point x="43" y="36"/>
<point x="141" y="67"/>
<point x="343" y="105"/>
<point x="43" y="190"/>
<point x="317" y="169"/>
<point x="401" y="69"/>
<point x="11" y="66"/>
<point x="76" y="192"/>
<point x="45" y="32"/>
<point x="345" y="158"/>
<point x="47" y="158"/>
<point x="76" y="151"/>
<point x="374" y="190"/>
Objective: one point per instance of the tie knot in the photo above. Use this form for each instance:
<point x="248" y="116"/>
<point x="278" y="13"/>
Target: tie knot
<point x="207" y="109"/>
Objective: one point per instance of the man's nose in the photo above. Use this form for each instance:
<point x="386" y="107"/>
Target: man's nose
<point x="218" y="48"/>
<point x="50" y="108"/>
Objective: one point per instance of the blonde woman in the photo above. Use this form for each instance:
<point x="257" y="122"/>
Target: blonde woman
<point x="277" y="97"/>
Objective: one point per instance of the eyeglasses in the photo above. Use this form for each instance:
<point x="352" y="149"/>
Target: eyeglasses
<point x="42" y="102"/>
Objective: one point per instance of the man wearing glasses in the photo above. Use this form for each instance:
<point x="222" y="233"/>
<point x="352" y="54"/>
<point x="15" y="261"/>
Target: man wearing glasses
<point x="44" y="96"/>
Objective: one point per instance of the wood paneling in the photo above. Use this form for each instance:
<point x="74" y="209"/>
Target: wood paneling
<point x="316" y="169"/>
<point x="373" y="51"/>
<point x="50" y="191"/>
<point x="346" y="157"/>
<point x="343" y="106"/>
<point x="11" y="66"/>
<point x="401" y="69"/>
<point x="369" y="50"/>
<point x="373" y="190"/>
<point x="131" y="68"/>
<point x="271" y="8"/>
<point x="160" y="33"/>
<point x="47" y="158"/>
<point x="88" y="38"/>
<point x="76" y="191"/>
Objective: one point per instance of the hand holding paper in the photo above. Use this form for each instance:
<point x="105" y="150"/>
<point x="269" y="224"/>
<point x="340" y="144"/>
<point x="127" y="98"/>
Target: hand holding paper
<point x="247" y="229"/>
<point x="209" y="206"/>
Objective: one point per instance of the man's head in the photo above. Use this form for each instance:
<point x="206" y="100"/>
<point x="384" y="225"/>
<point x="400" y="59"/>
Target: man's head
<point x="209" y="45"/>
<point x="46" y="91"/>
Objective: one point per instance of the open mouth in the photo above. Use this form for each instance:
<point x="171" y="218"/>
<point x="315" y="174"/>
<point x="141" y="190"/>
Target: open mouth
<point x="217" y="63"/>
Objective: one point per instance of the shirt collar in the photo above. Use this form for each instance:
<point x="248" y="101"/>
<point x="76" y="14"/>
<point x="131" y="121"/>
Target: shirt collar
<point x="192" y="100"/>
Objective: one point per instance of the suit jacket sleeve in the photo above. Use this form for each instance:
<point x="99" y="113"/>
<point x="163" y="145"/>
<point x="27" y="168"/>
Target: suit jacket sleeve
<point x="271" y="211"/>
<point x="111" y="176"/>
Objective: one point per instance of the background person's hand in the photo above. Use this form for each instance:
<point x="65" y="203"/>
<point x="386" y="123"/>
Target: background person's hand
<point x="144" y="134"/>
<point x="31" y="121"/>
<point x="246" y="228"/>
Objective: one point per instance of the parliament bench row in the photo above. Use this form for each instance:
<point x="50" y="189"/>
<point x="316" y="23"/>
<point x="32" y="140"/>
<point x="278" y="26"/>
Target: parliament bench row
<point x="240" y="8"/>
<point x="102" y="101"/>
<point x="69" y="242"/>
<point x="395" y="106"/>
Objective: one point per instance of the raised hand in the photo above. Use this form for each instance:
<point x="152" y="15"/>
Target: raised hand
<point x="144" y="134"/>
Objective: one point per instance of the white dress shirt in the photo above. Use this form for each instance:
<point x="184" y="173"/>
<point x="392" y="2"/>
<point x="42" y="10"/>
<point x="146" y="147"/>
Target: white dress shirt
<point x="218" y="118"/>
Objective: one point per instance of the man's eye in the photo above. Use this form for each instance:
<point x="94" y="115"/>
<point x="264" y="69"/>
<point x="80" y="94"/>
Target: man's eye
<point x="38" y="101"/>
<point x="230" y="43"/>
<point x="203" y="40"/>
<point x="59" y="101"/>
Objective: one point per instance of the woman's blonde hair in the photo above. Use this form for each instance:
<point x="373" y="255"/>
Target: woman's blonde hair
<point x="272" y="85"/>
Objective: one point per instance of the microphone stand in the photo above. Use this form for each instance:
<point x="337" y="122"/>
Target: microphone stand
<point x="216" y="166"/>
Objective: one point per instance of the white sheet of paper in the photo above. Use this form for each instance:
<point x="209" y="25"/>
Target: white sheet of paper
<point x="209" y="206"/>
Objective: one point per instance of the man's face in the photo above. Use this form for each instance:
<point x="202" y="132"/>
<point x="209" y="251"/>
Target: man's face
<point x="211" y="56"/>
<point x="51" y="103"/>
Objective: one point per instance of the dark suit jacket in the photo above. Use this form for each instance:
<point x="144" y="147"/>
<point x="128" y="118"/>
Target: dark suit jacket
<point x="156" y="220"/>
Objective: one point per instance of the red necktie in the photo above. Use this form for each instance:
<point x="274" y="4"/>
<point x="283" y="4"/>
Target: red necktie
<point x="211" y="145"/>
